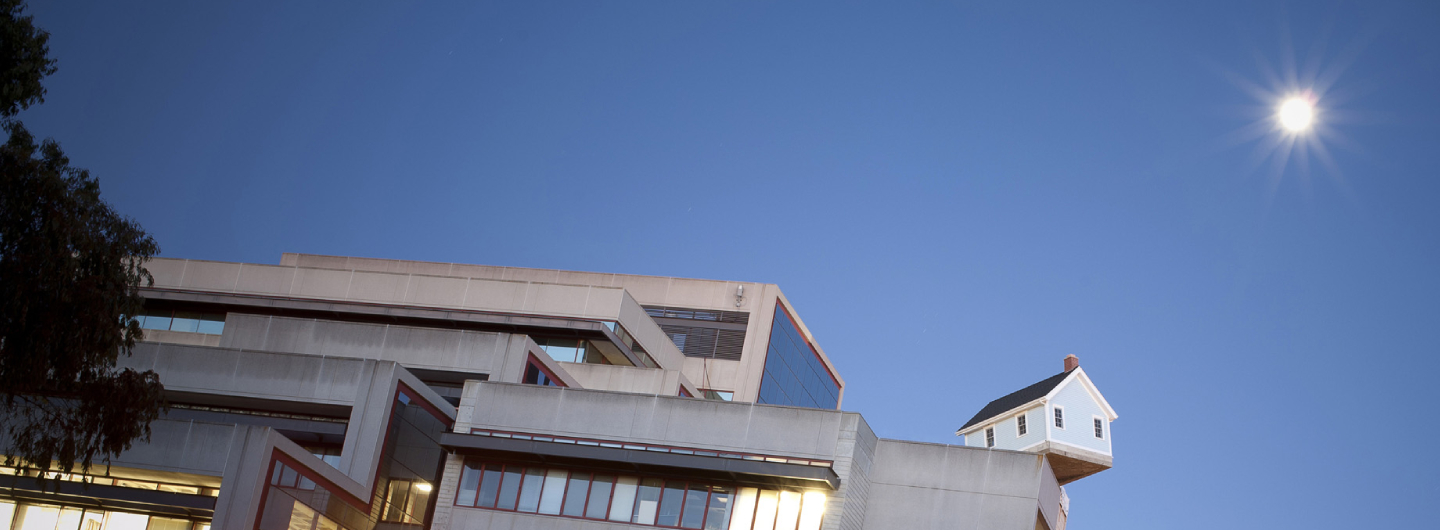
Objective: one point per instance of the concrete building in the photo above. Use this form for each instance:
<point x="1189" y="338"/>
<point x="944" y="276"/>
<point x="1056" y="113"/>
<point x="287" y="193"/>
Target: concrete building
<point x="329" y="393"/>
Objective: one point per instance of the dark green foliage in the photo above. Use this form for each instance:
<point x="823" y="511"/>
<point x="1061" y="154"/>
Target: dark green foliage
<point x="70" y="272"/>
<point x="23" y="59"/>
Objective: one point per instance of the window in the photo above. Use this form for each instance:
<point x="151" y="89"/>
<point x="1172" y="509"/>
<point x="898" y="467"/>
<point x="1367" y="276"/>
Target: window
<point x="702" y="332"/>
<point x="1099" y="428"/>
<point x="989" y="437"/>
<point x="794" y="374"/>
<point x="675" y="503"/>
<point x="1020" y="425"/>
<point x="185" y="321"/>
<point x="718" y="395"/>
<point x="538" y="375"/>
<point x="1059" y="417"/>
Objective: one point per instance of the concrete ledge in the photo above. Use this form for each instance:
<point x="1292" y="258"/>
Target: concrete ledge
<point x="644" y="462"/>
<point x="109" y="497"/>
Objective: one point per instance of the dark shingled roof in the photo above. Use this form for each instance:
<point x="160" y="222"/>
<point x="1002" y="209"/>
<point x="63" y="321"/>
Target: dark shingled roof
<point x="1016" y="398"/>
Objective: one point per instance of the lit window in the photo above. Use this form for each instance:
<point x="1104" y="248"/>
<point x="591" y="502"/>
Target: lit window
<point x="1059" y="417"/>
<point x="989" y="437"/>
<point x="1020" y="425"/>
<point x="675" y="503"/>
<point x="1099" y="429"/>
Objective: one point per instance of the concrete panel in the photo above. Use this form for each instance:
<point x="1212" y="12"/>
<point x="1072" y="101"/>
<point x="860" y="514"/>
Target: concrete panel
<point x="211" y="275"/>
<point x="321" y="262"/>
<point x="181" y="337"/>
<point x="483" y="272"/>
<point x="265" y="279"/>
<point x="347" y="339"/>
<point x="700" y="293"/>
<point x="437" y="348"/>
<point x="598" y="279"/>
<point x="246" y="332"/>
<point x="378" y="287"/>
<point x="436" y="291"/>
<point x="321" y="283"/>
<point x="648" y="290"/>
<point x="554" y="299"/>
<point x="603" y="302"/>
<point x="531" y="275"/>
<point x="206" y="448"/>
<point x="168" y="273"/>
<point x="494" y="295"/>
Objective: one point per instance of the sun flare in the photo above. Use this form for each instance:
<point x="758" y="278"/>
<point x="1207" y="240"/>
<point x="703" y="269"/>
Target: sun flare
<point x="1296" y="114"/>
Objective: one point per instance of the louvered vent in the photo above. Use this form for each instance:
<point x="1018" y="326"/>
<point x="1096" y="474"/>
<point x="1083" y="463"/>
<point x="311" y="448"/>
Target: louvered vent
<point x="703" y="332"/>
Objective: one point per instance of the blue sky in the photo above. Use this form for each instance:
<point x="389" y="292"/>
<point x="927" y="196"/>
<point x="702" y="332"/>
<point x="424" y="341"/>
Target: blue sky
<point x="954" y="196"/>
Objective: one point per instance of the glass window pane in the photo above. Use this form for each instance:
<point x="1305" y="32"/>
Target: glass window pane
<point x="695" y="498"/>
<point x="765" y="510"/>
<point x="326" y="524"/>
<point x="469" y="483"/>
<point x="93" y="519"/>
<point x="31" y="517"/>
<point x="599" y="501"/>
<point x="717" y="516"/>
<point x="212" y="323"/>
<point x="69" y="519"/>
<point x="509" y="487"/>
<point x="744" y="511"/>
<point x="623" y="502"/>
<point x="554" y="491"/>
<point x="670" y="503"/>
<point x="301" y="517"/>
<point x="812" y="510"/>
<point x="125" y="521"/>
<point x="530" y="493"/>
<point x="576" y="493"/>
<point x="185" y="321"/>
<point x="789" y="513"/>
<point x="165" y="523"/>
<point x="157" y="320"/>
<point x="649" y="501"/>
<point x="489" y="486"/>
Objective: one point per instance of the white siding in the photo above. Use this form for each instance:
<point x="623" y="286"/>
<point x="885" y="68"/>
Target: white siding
<point x="1005" y="431"/>
<point x="1080" y="409"/>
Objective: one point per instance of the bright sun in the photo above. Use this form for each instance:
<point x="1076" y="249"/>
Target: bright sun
<point x="1296" y="114"/>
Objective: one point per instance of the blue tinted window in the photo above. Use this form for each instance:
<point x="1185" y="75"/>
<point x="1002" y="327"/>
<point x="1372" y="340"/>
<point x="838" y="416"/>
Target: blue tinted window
<point x="794" y="374"/>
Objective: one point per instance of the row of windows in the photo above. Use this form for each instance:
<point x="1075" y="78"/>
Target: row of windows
<point x="187" y="321"/>
<point x="24" y="516"/>
<point x="119" y="482"/>
<point x="1021" y="429"/>
<point x="636" y="500"/>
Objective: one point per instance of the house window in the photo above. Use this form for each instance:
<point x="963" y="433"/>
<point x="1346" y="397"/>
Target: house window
<point x="1020" y="425"/>
<point x="1099" y="429"/>
<point x="989" y="437"/>
<point x="1059" y="417"/>
<point x="718" y="395"/>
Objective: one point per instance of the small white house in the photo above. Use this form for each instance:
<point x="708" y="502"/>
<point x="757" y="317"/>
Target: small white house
<point x="1063" y="417"/>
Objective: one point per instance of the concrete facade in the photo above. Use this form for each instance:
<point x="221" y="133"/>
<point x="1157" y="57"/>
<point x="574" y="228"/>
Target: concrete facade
<point x="361" y="394"/>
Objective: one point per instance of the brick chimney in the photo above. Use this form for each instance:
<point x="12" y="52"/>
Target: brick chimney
<point x="1071" y="362"/>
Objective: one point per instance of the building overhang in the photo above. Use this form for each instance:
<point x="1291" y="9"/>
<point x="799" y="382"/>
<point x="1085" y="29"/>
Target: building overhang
<point x="392" y="313"/>
<point x="643" y="462"/>
<point x="100" y="496"/>
<point x="1072" y="463"/>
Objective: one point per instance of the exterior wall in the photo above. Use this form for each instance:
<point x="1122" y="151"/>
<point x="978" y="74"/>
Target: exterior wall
<point x="441" y="349"/>
<point x="919" y="486"/>
<point x="1079" y="429"/>
<point x="1005" y="431"/>
<point x="465" y="293"/>
<point x="629" y="379"/>
<point x="742" y="377"/>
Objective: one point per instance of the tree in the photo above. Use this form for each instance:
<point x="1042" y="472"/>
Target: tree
<point x="70" y="273"/>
